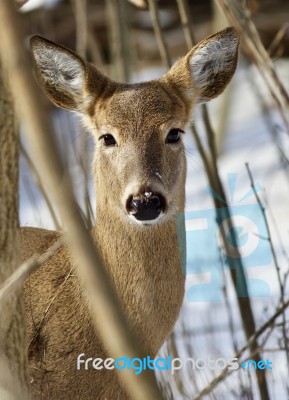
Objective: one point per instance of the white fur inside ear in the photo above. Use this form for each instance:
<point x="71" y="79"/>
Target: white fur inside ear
<point x="216" y="56"/>
<point x="59" y="68"/>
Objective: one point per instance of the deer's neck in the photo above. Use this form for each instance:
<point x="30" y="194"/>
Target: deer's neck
<point x="139" y="248"/>
<point x="145" y="264"/>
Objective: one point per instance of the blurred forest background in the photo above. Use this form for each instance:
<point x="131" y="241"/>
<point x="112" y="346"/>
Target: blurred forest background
<point x="246" y="130"/>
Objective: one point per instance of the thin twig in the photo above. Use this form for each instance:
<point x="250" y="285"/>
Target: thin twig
<point x="183" y="7"/>
<point x="270" y="123"/>
<point x="275" y="259"/>
<point x="119" y="46"/>
<point x="80" y="12"/>
<point x="51" y="301"/>
<point x="228" y="306"/>
<point x="25" y="269"/>
<point x="269" y="238"/>
<point x="240" y="17"/>
<point x="155" y="17"/>
<point x="191" y="41"/>
<point x="277" y="231"/>
<point x="281" y="34"/>
<point x="93" y="45"/>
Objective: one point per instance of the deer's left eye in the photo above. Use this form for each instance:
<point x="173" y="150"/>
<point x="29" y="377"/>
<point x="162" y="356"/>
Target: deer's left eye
<point x="174" y="136"/>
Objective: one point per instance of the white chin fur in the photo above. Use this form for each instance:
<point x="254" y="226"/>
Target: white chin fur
<point x="145" y="223"/>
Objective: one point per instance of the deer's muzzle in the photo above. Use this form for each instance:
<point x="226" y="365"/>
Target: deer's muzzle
<point x="147" y="206"/>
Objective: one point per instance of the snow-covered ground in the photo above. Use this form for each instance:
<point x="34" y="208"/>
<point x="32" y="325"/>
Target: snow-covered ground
<point x="204" y="316"/>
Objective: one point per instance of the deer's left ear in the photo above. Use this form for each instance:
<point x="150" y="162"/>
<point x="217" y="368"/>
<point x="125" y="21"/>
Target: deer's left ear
<point x="207" y="69"/>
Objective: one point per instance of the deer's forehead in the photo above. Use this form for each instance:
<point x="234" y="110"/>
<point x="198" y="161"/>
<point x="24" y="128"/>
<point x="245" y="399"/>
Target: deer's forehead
<point x="139" y="106"/>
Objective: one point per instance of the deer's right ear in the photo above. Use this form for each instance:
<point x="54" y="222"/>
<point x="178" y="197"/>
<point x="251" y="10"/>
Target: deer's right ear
<point x="63" y="75"/>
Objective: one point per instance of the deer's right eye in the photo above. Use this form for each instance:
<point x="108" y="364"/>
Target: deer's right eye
<point x="108" y="140"/>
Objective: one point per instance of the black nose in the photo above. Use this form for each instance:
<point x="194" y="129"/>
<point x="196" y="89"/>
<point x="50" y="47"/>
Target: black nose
<point x="147" y="206"/>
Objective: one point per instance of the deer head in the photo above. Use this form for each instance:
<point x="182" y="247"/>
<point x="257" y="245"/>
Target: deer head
<point x="139" y="165"/>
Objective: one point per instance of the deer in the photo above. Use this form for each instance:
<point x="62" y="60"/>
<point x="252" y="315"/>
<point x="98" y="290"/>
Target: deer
<point x="139" y="171"/>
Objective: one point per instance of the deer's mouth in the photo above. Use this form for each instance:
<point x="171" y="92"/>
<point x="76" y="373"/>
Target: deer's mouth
<point x="147" y="206"/>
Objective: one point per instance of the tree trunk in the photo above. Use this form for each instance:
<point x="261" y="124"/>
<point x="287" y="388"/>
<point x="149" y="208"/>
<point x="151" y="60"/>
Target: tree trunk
<point x="13" y="361"/>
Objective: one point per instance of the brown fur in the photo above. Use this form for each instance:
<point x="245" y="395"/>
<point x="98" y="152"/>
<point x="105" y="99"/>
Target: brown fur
<point x="145" y="263"/>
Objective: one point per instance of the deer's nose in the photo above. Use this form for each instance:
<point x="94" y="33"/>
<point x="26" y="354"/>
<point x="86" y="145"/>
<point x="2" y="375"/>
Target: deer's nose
<point x="146" y="206"/>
